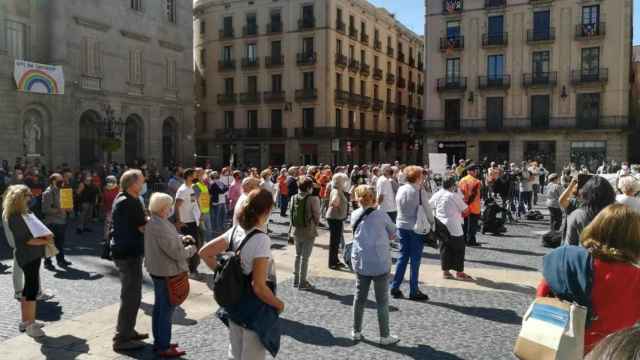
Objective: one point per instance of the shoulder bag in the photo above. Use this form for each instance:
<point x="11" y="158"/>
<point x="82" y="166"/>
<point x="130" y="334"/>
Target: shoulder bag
<point x="422" y="226"/>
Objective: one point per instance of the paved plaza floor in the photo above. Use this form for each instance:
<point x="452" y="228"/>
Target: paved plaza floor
<point x="478" y="320"/>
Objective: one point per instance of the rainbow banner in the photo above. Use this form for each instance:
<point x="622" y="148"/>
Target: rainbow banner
<point x="38" y="78"/>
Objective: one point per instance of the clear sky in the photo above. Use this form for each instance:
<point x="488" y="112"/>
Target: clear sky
<point x="411" y="13"/>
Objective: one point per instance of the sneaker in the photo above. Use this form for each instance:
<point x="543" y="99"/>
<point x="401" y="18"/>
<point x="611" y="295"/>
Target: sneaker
<point x="45" y="295"/>
<point x="139" y="336"/>
<point x="389" y="340"/>
<point x="172" y="353"/>
<point x="48" y="264"/>
<point x="356" y="336"/>
<point x="419" y="296"/>
<point x="397" y="294"/>
<point x="306" y="286"/>
<point x="23" y="326"/>
<point x="34" y="331"/>
<point x="128" y="345"/>
<point x="64" y="263"/>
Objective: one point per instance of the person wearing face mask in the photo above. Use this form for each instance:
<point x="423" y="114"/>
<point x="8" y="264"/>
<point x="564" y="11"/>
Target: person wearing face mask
<point x="87" y="197"/>
<point x="187" y="213"/>
<point x="305" y="217"/>
<point x="201" y="190"/>
<point x="55" y="218"/>
<point x="109" y="194"/>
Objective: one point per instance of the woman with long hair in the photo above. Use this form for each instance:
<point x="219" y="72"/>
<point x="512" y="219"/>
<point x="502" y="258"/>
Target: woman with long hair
<point x="595" y="195"/>
<point x="336" y="214"/>
<point x="29" y="252"/>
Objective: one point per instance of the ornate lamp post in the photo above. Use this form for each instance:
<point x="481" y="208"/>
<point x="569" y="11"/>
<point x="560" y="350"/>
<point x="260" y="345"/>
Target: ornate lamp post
<point x="111" y="129"/>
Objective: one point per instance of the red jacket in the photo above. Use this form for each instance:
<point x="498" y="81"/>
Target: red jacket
<point x="615" y="297"/>
<point x="108" y="196"/>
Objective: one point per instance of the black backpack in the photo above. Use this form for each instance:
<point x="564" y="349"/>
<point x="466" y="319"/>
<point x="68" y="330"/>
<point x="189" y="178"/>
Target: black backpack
<point x="230" y="284"/>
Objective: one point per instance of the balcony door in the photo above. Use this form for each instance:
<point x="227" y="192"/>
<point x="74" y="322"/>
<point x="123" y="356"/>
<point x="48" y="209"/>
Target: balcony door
<point x="591" y="15"/>
<point x="307" y="13"/>
<point x="307" y="81"/>
<point x="495" y="69"/>
<point x="276" y="83"/>
<point x="452" y="114"/>
<point x="227" y="54"/>
<point x="541" y="25"/>
<point x="453" y="70"/>
<point x="495" y="113"/>
<point x="276" y="51"/>
<point x="252" y="84"/>
<point x="540" y="111"/>
<point x="252" y="53"/>
<point x="590" y="63"/>
<point x="540" y="66"/>
<point x="588" y="108"/>
<point x="496" y="29"/>
<point x="307" y="47"/>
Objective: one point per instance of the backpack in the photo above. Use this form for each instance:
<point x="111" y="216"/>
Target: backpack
<point x="299" y="211"/>
<point x="230" y="284"/>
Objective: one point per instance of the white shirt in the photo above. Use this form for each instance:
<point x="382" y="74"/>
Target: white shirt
<point x="239" y="205"/>
<point x="448" y="208"/>
<point x="188" y="207"/>
<point x="384" y="188"/>
<point x="535" y="172"/>
<point x="268" y="185"/>
<point x="259" y="246"/>
<point x="630" y="201"/>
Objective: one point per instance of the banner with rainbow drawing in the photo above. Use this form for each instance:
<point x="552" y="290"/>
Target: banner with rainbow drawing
<point x="38" y="78"/>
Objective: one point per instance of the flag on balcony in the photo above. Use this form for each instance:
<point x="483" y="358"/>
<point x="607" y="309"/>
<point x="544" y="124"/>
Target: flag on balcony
<point x="453" y="5"/>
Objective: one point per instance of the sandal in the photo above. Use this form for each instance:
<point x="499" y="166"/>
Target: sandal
<point x="447" y="275"/>
<point x="463" y="277"/>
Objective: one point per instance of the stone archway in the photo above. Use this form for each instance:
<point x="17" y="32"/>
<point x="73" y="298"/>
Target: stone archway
<point x="133" y="139"/>
<point x="89" y="148"/>
<point x="169" y="141"/>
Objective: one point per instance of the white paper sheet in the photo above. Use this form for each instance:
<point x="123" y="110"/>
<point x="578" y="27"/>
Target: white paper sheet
<point x="37" y="228"/>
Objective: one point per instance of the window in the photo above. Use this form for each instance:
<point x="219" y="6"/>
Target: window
<point x="276" y="122"/>
<point x="399" y="98"/>
<point x="363" y="88"/>
<point x="307" y="81"/>
<point x="228" y="86"/>
<point x="453" y="29"/>
<point x="389" y="67"/>
<point x="590" y="15"/>
<point x="375" y="91"/>
<point x="308" y="118"/>
<point x="588" y="108"/>
<point x="91" y="57"/>
<point x="170" y="81"/>
<point x="307" y="47"/>
<point x="17" y="40"/>
<point x="541" y="25"/>
<point x="376" y="62"/>
<point x="308" y="19"/>
<point x="590" y="62"/>
<point x="203" y="87"/>
<point x="227" y="54"/>
<point x="352" y="85"/>
<point x="252" y="119"/>
<point x="452" y="114"/>
<point x="363" y="57"/>
<point x="376" y="35"/>
<point x="363" y="121"/>
<point x="540" y="63"/>
<point x="203" y="57"/>
<point x="136" y="5"/>
<point x="495" y="30"/>
<point x="495" y="113"/>
<point x="339" y="15"/>
<point x="135" y="67"/>
<point x="339" y="47"/>
<point x="363" y="28"/>
<point x="388" y="95"/>
<point x="228" y="120"/>
<point x="338" y="119"/>
<point x="540" y="111"/>
<point x="588" y="153"/>
<point x="453" y="69"/>
<point x="203" y="27"/>
<point x="338" y="81"/>
<point x="252" y="25"/>
<point x="252" y="52"/>
<point x="352" y="52"/>
<point x="352" y="121"/>
<point x="276" y="21"/>
<point x="276" y="83"/>
<point x="352" y="22"/>
<point x="228" y="26"/>
<point x="495" y="67"/>
<point x="171" y="11"/>
<point x="252" y="84"/>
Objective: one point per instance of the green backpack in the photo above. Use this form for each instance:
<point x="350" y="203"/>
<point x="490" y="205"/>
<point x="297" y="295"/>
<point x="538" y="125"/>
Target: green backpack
<point x="298" y="211"/>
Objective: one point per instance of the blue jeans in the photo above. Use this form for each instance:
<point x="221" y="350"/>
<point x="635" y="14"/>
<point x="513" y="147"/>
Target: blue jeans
<point x="217" y="217"/>
<point x="411" y="246"/>
<point x="284" y="204"/>
<point x="162" y="315"/>
<point x="206" y="227"/>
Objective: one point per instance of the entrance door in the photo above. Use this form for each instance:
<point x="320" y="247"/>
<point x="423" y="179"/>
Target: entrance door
<point x="497" y="151"/>
<point x="543" y="152"/>
<point x="455" y="150"/>
<point x="133" y="140"/>
<point x="452" y="114"/>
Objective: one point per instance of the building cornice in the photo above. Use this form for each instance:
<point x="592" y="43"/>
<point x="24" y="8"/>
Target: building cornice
<point x="90" y="23"/>
<point x="135" y="36"/>
<point x="171" y="46"/>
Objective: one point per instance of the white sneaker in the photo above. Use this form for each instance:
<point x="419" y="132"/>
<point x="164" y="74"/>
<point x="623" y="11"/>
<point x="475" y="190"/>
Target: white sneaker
<point x="389" y="340"/>
<point x="45" y="295"/>
<point x="356" y="336"/>
<point x="34" y="331"/>
<point x="23" y="326"/>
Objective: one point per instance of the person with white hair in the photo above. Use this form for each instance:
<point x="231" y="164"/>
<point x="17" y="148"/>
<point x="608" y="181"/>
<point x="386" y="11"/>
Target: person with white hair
<point x="629" y="187"/>
<point x="386" y="193"/>
<point x="248" y="184"/>
<point x="336" y="214"/>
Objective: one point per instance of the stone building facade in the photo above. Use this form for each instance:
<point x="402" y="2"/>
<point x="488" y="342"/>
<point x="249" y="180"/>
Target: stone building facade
<point x="529" y="79"/>
<point x="132" y="55"/>
<point x="299" y="81"/>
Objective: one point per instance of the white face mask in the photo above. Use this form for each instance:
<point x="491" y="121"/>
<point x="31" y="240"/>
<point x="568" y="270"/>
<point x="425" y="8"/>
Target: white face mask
<point x="172" y="211"/>
<point x="144" y="189"/>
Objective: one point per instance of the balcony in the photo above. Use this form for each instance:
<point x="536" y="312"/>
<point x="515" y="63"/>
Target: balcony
<point x="250" y="63"/>
<point x="494" y="40"/>
<point x="226" y="65"/>
<point x="377" y="105"/>
<point x="377" y="44"/>
<point x="590" y="76"/>
<point x="401" y="110"/>
<point x="250" y="98"/>
<point x="306" y="58"/>
<point x="524" y="124"/>
<point x="494" y="82"/>
<point x="305" y="95"/>
<point x="273" y="97"/>
<point x="494" y="4"/>
<point x="590" y="31"/>
<point x="365" y="69"/>
<point x="250" y="133"/>
<point x="540" y="2"/>
<point x="226" y="34"/>
<point x="451" y="84"/>
<point x="420" y="65"/>
<point x="341" y="61"/>
<point x="274" y="61"/>
<point x="541" y="36"/>
<point x="540" y="79"/>
<point x="364" y="38"/>
<point x="391" y="79"/>
<point x="401" y="83"/>
<point x="412" y="86"/>
<point x="341" y="27"/>
<point x="250" y="30"/>
<point x="451" y="43"/>
<point x="342" y="97"/>
<point x="390" y="108"/>
<point x="354" y="65"/>
<point x="227" y="99"/>
<point x="365" y="102"/>
<point x="353" y="33"/>
<point x="307" y="23"/>
<point x="421" y="88"/>
<point x="274" y="28"/>
<point x="412" y="61"/>
<point x="400" y="56"/>
<point x="452" y="7"/>
<point x="389" y="51"/>
<point x="354" y="99"/>
<point x="377" y="74"/>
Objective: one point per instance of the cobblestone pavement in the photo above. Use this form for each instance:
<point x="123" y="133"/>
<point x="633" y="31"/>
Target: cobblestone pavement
<point x="457" y="323"/>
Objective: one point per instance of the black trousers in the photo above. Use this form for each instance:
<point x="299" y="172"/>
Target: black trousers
<point x="31" y="280"/>
<point x="335" y="233"/>
<point x="556" y="218"/>
<point x="452" y="254"/>
<point x="470" y="228"/>
<point x="59" y="233"/>
<point x="192" y="229"/>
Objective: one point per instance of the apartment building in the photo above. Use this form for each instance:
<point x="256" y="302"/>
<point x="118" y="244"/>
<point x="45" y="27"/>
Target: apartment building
<point x="298" y="81"/>
<point x="134" y="56"/>
<point x="529" y="79"/>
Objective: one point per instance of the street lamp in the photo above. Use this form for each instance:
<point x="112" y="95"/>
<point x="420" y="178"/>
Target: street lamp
<point x="111" y="129"/>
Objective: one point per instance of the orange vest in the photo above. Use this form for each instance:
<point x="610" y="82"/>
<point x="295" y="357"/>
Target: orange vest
<point x="470" y="186"/>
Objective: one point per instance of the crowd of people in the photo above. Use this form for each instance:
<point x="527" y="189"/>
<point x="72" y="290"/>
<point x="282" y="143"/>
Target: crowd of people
<point x="170" y="221"/>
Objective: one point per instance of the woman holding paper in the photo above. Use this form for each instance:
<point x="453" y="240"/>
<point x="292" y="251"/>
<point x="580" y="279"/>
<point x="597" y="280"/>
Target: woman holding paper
<point x="29" y="252"/>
